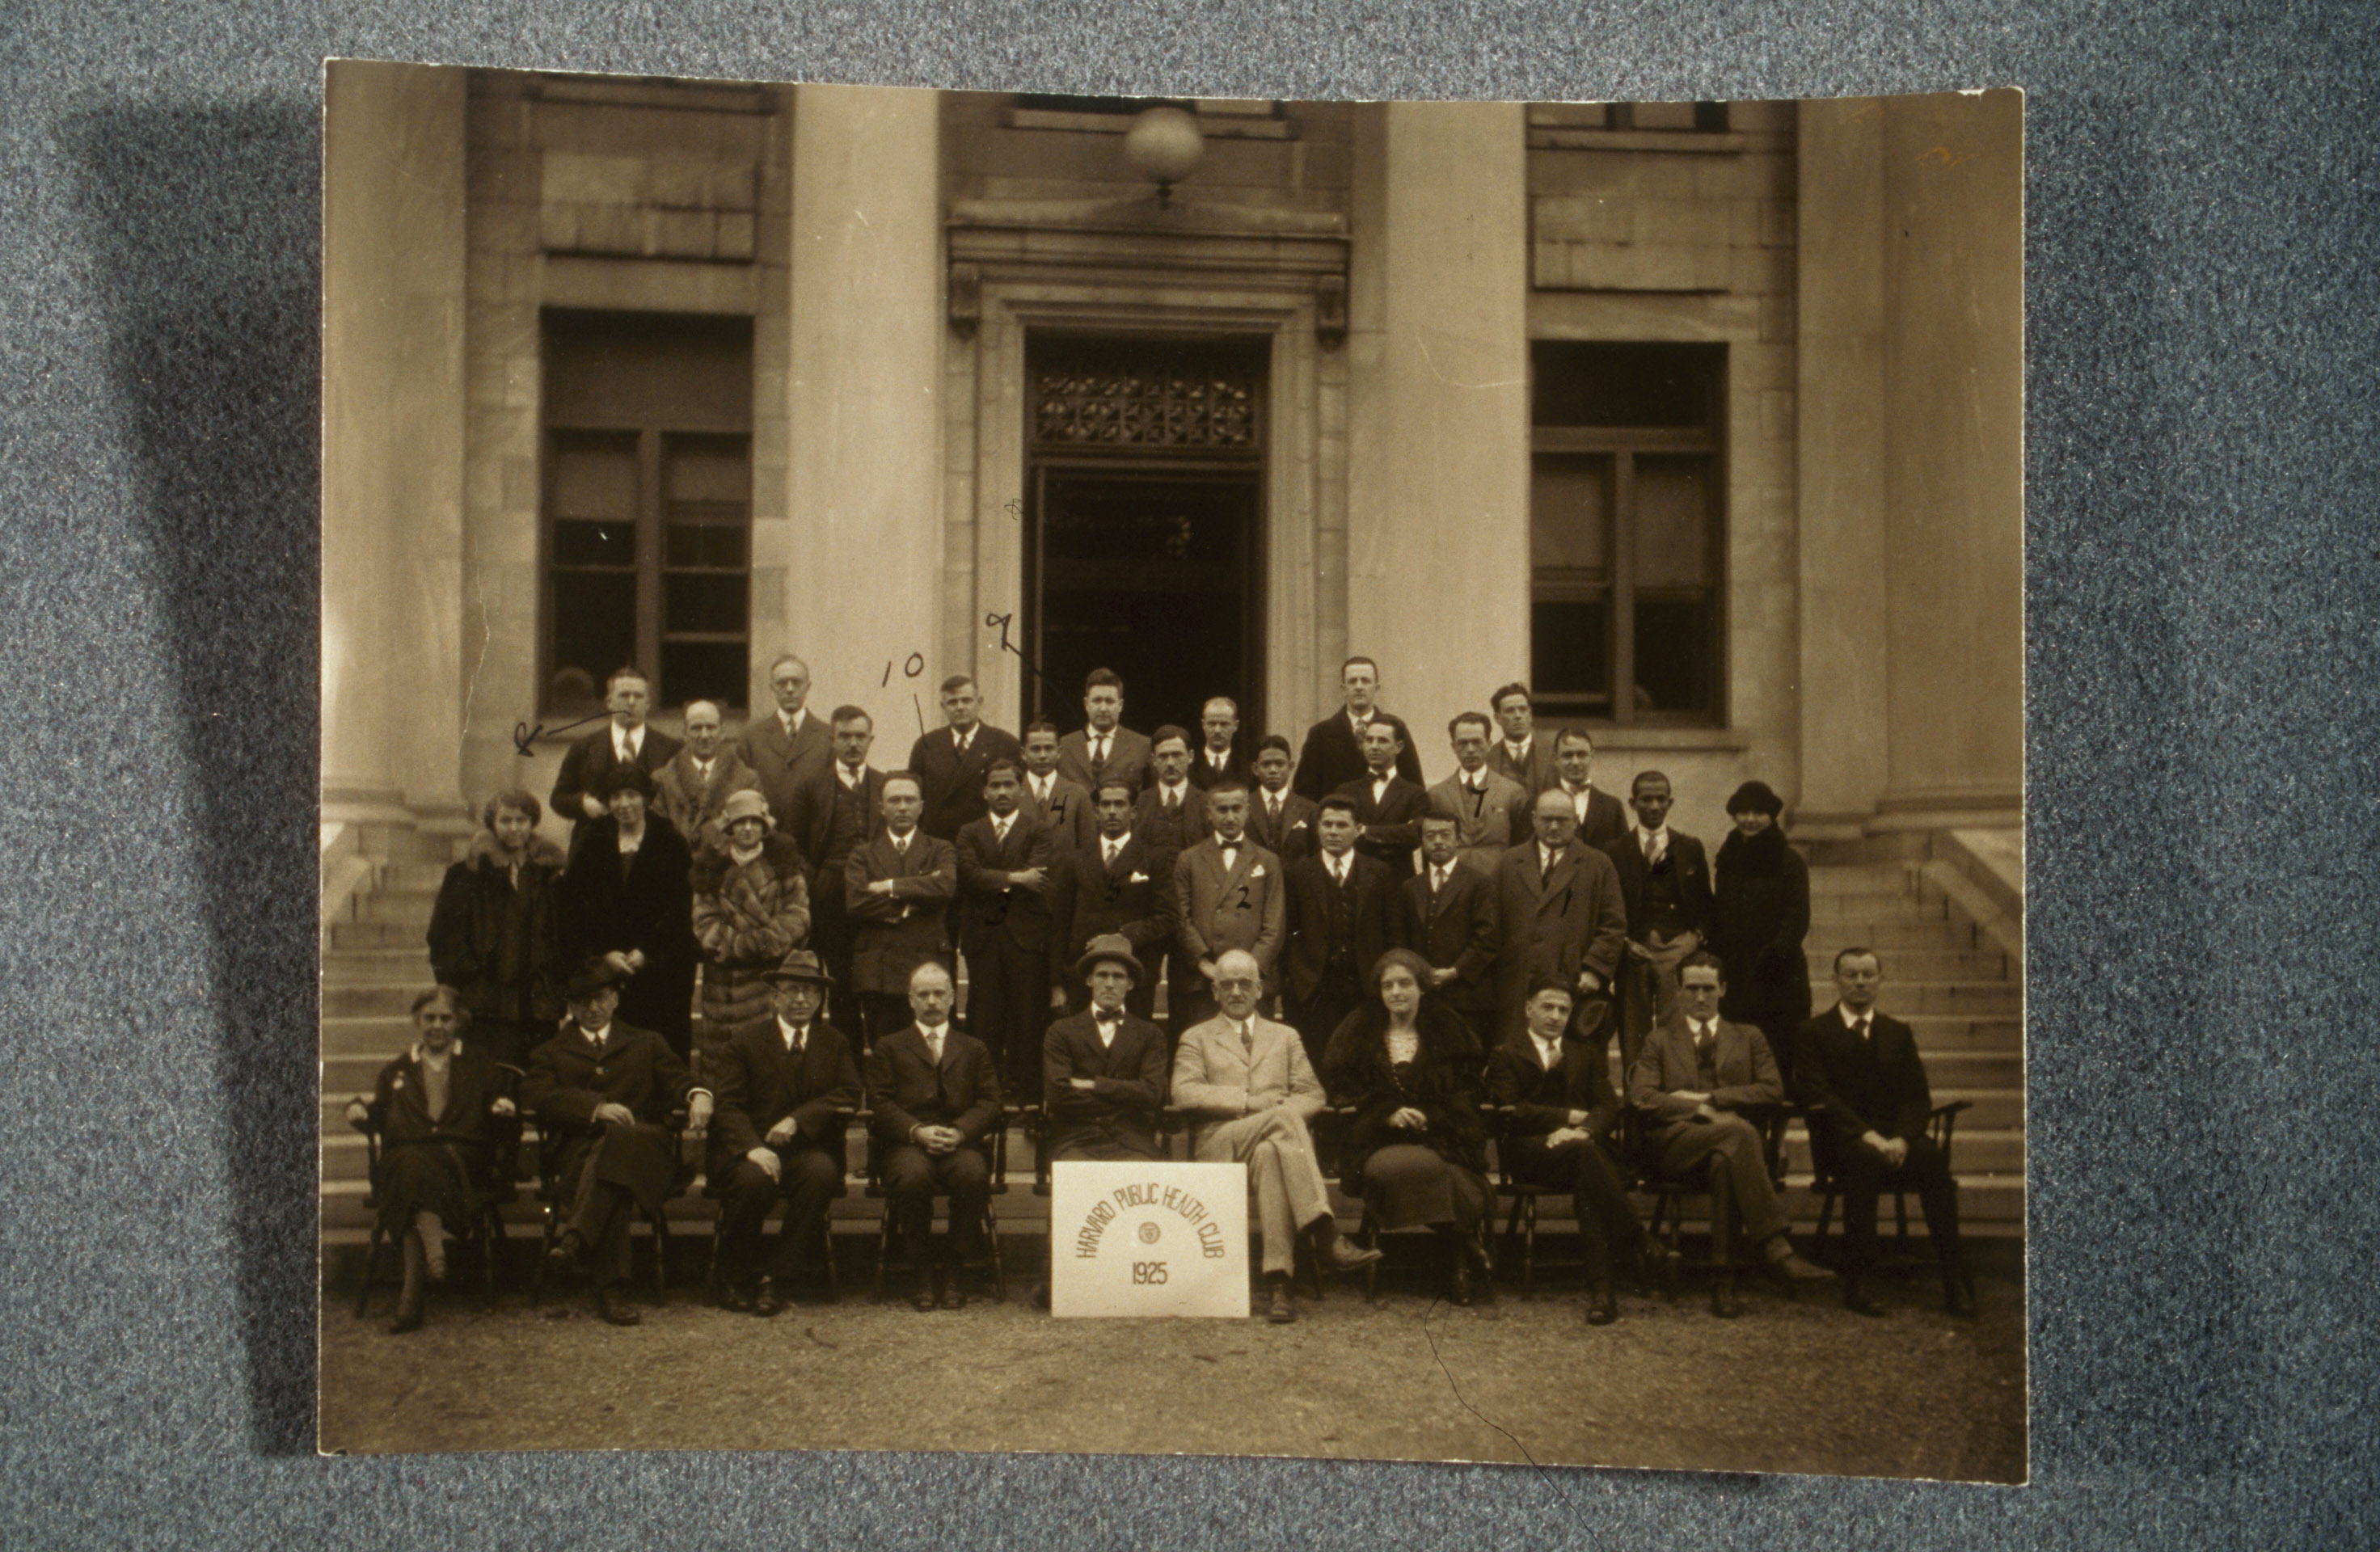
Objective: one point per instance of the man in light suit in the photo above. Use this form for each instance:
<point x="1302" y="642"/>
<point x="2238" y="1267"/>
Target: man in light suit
<point x="1600" y="816"/>
<point x="1059" y="806"/>
<point x="1105" y="750"/>
<point x="951" y="762"/>
<point x="692" y="788"/>
<point x="1249" y="1090"/>
<point x="1219" y="756"/>
<point x="834" y="814"/>
<point x="1228" y="893"/>
<point x="624" y="740"/>
<point x="1521" y="757"/>
<point x="933" y="1096"/>
<point x="1447" y="913"/>
<point x="898" y="890"/>
<point x="1005" y="863"/>
<point x="1120" y="884"/>
<point x="1693" y="1080"/>
<point x="1559" y="908"/>
<point x="1388" y="807"/>
<point x="1491" y="811"/>
<point x="788" y="747"/>
<point x="1333" y="754"/>
<point x="1665" y="879"/>
<point x="1279" y="819"/>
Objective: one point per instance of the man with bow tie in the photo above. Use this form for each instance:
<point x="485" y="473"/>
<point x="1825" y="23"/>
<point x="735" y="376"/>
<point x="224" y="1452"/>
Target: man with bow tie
<point x="623" y="740"/>
<point x="602" y="1092"/>
<point x="833" y="813"/>
<point x="897" y="889"/>
<point x="1060" y="806"/>
<point x="1103" y="1069"/>
<point x="1447" y="913"/>
<point x="934" y="1096"/>
<point x="1279" y="819"/>
<point x="1120" y="885"/>
<point x="1491" y="811"/>
<point x="1333" y="754"/>
<point x="1249" y="1089"/>
<point x="1105" y="750"/>
<point x="1006" y="864"/>
<point x="1339" y="907"/>
<point x="1599" y="817"/>
<point x="1558" y="912"/>
<point x="1387" y="806"/>
<point x="950" y="763"/>
<point x="1865" y="1083"/>
<point x="1694" y="1079"/>
<point x="1228" y="893"/>
<point x="786" y="1087"/>
<point x="1665" y="879"/>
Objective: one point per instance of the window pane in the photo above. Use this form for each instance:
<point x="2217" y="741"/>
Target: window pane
<point x="1673" y="522"/>
<point x="723" y="545"/>
<point x="703" y="671"/>
<point x="703" y="600"/>
<point x="578" y="542"/>
<point x="594" y="630"/>
<point x="593" y="477"/>
<point x="709" y="469"/>
<point x="1674" y="655"/>
<point x="1579" y="383"/>
<point x="1570" y="512"/>
<point x="1569" y="648"/>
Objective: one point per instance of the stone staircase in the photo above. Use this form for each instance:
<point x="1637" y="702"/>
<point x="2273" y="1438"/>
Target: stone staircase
<point x="1945" y="975"/>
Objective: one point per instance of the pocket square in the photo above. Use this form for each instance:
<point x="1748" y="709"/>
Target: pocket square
<point x="1137" y="879"/>
<point x="1257" y="871"/>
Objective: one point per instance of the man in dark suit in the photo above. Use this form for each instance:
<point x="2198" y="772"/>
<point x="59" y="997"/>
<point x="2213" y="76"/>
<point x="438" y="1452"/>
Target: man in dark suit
<point x="1388" y="807"/>
<point x="934" y="1096"/>
<point x="788" y="747"/>
<point x="1218" y="757"/>
<point x="1059" y="806"/>
<point x="1122" y="885"/>
<point x="786" y="1086"/>
<point x="1600" y="818"/>
<point x="1007" y="868"/>
<point x="1564" y="1114"/>
<point x="1520" y="756"/>
<point x="1446" y="914"/>
<point x="898" y="890"/>
<point x="602" y="1093"/>
<point x="1559" y="909"/>
<point x="624" y="740"/>
<point x="1865" y="1083"/>
<point x="1694" y="1079"/>
<point x="1490" y="812"/>
<point x="832" y="815"/>
<point x="1105" y="750"/>
<point x="1103" y="1070"/>
<point x="1279" y="819"/>
<point x="1171" y="813"/>
<point x="1339" y="903"/>
<point x="952" y="763"/>
<point x="1333" y="754"/>
<point x="1665" y="879"/>
<point x="1228" y="893"/>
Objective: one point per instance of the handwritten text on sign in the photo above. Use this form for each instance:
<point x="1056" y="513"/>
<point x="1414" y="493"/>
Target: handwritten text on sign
<point x="1148" y="1238"/>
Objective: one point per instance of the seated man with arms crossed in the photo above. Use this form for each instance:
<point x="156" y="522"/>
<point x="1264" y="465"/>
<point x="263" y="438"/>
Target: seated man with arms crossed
<point x="1249" y="1089"/>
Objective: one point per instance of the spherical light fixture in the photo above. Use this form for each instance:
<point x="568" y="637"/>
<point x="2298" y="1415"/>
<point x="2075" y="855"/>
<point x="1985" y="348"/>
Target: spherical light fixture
<point x="1164" y="144"/>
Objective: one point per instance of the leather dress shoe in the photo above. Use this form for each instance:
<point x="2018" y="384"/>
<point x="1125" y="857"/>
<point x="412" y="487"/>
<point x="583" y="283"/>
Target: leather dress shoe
<point x="922" y="1293"/>
<point x="1856" y="1300"/>
<point x="1278" y="1309"/>
<point x="1602" y="1306"/>
<point x="1792" y="1268"/>
<point x="615" y="1310"/>
<point x="1725" y="1305"/>
<point x="1041" y="1295"/>
<point x="734" y="1299"/>
<point x="566" y="1249"/>
<point x="767" y="1302"/>
<point x="1958" y="1295"/>
<point x="1342" y="1254"/>
<point x="1461" y="1293"/>
<point x="954" y="1294"/>
<point x="1657" y="1270"/>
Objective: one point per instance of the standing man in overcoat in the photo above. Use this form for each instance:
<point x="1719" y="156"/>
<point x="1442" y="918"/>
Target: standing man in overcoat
<point x="898" y="890"/>
<point x="1559" y="908"/>
<point x="788" y="746"/>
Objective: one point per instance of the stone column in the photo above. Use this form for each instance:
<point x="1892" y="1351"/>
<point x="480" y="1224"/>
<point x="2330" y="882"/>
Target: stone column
<point x="1954" y="451"/>
<point x="1438" y="502"/>
<point x="1839" y="456"/>
<point x="392" y="405"/>
<point x="864" y="571"/>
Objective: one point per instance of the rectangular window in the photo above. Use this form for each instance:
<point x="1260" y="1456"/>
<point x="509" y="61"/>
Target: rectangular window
<point x="648" y="497"/>
<point x="1626" y="531"/>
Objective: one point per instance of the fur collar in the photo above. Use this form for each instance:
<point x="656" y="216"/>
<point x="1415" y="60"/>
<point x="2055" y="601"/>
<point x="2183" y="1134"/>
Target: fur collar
<point x="1761" y="853"/>
<point x="779" y="854"/>
<point x="540" y="851"/>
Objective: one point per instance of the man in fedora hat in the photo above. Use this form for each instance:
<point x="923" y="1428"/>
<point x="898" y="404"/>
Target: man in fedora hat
<point x="1103" y="1069"/>
<point x="786" y="1087"/>
<point x="602" y="1093"/>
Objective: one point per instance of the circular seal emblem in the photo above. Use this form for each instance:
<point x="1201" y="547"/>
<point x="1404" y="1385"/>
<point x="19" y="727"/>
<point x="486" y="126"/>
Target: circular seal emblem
<point x="1150" y="1233"/>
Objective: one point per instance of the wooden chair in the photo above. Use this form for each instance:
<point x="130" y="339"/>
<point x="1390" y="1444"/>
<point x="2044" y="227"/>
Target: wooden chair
<point x="997" y="1155"/>
<point x="1333" y="1119"/>
<point x="484" y="1234"/>
<point x="1941" y="1127"/>
<point x="716" y="1191"/>
<point x="1670" y="1193"/>
<point x="550" y="1201"/>
<point x="1521" y="1220"/>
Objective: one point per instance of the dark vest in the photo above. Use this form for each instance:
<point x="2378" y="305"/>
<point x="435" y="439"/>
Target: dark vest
<point x="1664" y="902"/>
<point x="847" y="830"/>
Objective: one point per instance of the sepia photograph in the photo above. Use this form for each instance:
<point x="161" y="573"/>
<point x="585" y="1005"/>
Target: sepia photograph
<point x="1172" y="775"/>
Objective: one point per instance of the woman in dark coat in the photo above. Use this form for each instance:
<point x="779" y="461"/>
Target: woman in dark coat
<point x="495" y="934"/>
<point x="436" y="1109"/>
<point x="1760" y="913"/>
<point x="1415" y="1148"/>
<point x="627" y="899"/>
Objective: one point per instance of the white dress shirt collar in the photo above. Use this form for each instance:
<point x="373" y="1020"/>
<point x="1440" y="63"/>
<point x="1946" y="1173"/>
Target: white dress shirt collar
<point x="795" y="1037"/>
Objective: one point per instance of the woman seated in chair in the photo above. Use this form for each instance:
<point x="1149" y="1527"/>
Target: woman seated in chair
<point x="751" y="909"/>
<point x="435" y="1108"/>
<point x="1415" y="1147"/>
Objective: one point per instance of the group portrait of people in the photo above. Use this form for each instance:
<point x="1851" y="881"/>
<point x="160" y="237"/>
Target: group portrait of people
<point x="1361" y="975"/>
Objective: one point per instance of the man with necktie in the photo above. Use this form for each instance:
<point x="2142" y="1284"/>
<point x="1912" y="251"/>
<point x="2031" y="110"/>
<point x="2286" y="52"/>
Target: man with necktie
<point x="834" y="814"/>
<point x="1491" y="811"/>
<point x="1105" y="750"/>
<point x="1060" y="806"/>
<point x="898" y="890"/>
<point x="1218" y="757"/>
<point x="1006" y="863"/>
<point x="1387" y="806"/>
<point x="1249" y="1090"/>
<point x="623" y="740"/>
<point x="786" y="1087"/>
<point x="786" y="747"/>
<point x="1120" y="885"/>
<point x="1279" y="819"/>
<point x="1228" y="893"/>
<point x="934" y="1098"/>
<point x="1447" y="913"/>
<point x="1694" y="1080"/>
<point x="1171" y="812"/>
<point x="1664" y="879"/>
<point x="1520" y="756"/>
<point x="696" y="783"/>
<point x="1558" y="911"/>
<point x="950" y="761"/>
<point x="1339" y="904"/>
<point x="1333" y="754"/>
<point x="1865" y="1083"/>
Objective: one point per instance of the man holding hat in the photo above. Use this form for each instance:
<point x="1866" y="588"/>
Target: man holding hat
<point x="787" y="1086"/>
<point x="601" y="1092"/>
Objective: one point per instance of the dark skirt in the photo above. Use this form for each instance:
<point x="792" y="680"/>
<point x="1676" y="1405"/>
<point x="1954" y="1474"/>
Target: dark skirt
<point x="431" y="1177"/>
<point x="1406" y="1184"/>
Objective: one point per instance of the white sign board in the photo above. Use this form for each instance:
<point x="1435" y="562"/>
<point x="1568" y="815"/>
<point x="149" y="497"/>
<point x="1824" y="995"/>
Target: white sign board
<point x="1148" y="1237"/>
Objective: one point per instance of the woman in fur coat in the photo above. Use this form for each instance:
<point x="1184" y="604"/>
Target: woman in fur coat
<point x="496" y="933"/>
<point x="751" y="909"/>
